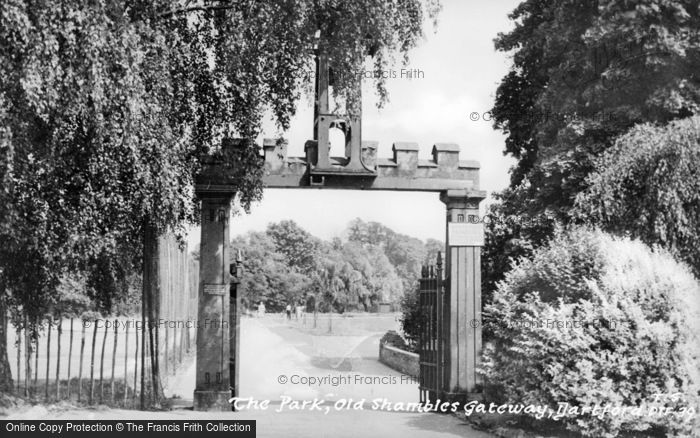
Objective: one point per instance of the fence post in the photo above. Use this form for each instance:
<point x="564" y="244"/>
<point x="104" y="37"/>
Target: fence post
<point x="92" y="364"/>
<point x="48" y="357"/>
<point x="163" y="301"/>
<point x="126" y="362"/>
<point x="148" y="373"/>
<point x="70" y="355"/>
<point x="114" y="359"/>
<point x="166" y="356"/>
<point x="102" y="365"/>
<point x="80" y="366"/>
<point x="153" y="362"/>
<point x="18" y="343"/>
<point x="182" y="339"/>
<point x="58" y="358"/>
<point x="136" y="361"/>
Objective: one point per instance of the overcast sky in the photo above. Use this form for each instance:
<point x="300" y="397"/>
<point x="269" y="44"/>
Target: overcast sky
<point x="460" y="74"/>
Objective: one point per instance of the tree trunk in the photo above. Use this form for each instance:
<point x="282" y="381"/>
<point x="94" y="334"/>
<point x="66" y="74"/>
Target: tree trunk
<point x="18" y="343"/>
<point x="145" y="280"/>
<point x="151" y="295"/>
<point x="6" y="384"/>
<point x="27" y="357"/>
<point x="136" y="361"/>
<point x="143" y="339"/>
<point x="35" y="386"/>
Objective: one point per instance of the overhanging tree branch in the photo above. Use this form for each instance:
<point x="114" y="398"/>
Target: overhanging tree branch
<point x="195" y="8"/>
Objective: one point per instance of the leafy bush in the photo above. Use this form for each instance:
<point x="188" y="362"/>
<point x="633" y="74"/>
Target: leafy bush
<point x="412" y="320"/>
<point x="394" y="339"/>
<point x="648" y="185"/>
<point x="634" y="317"/>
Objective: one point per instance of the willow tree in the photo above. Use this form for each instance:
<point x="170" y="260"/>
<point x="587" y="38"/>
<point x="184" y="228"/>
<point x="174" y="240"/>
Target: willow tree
<point x="583" y="74"/>
<point x="106" y="107"/>
<point x="648" y="187"/>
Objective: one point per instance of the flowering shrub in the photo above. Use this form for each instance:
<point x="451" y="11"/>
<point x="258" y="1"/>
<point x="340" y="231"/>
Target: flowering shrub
<point x="629" y="326"/>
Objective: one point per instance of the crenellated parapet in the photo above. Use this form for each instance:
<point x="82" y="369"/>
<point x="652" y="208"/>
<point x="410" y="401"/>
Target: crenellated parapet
<point x="405" y="170"/>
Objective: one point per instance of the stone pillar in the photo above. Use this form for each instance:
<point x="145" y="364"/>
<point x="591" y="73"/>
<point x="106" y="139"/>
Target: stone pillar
<point x="212" y="390"/>
<point x="462" y="309"/>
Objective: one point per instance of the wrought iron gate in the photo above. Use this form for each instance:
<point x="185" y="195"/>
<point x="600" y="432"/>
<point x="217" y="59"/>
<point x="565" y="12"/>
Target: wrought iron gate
<point x="431" y="345"/>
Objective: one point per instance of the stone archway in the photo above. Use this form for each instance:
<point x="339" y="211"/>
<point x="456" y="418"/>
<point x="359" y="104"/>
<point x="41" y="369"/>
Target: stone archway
<point x="456" y="182"/>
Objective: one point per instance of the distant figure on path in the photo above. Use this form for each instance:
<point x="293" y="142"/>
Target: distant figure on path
<point x="261" y="309"/>
<point x="289" y="311"/>
<point x="299" y="310"/>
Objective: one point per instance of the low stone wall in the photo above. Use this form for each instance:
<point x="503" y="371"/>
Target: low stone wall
<point x="400" y="360"/>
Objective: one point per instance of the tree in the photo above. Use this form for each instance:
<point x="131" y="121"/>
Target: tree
<point x="385" y="281"/>
<point x="378" y="279"/>
<point x="407" y="254"/>
<point x="332" y="294"/>
<point x="6" y="383"/>
<point x="648" y="186"/>
<point x="106" y="107"/>
<point x="583" y="74"/>
<point x="432" y="248"/>
<point x="369" y="233"/>
<point x="299" y="247"/>
<point x="266" y="275"/>
<point x="288" y="264"/>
